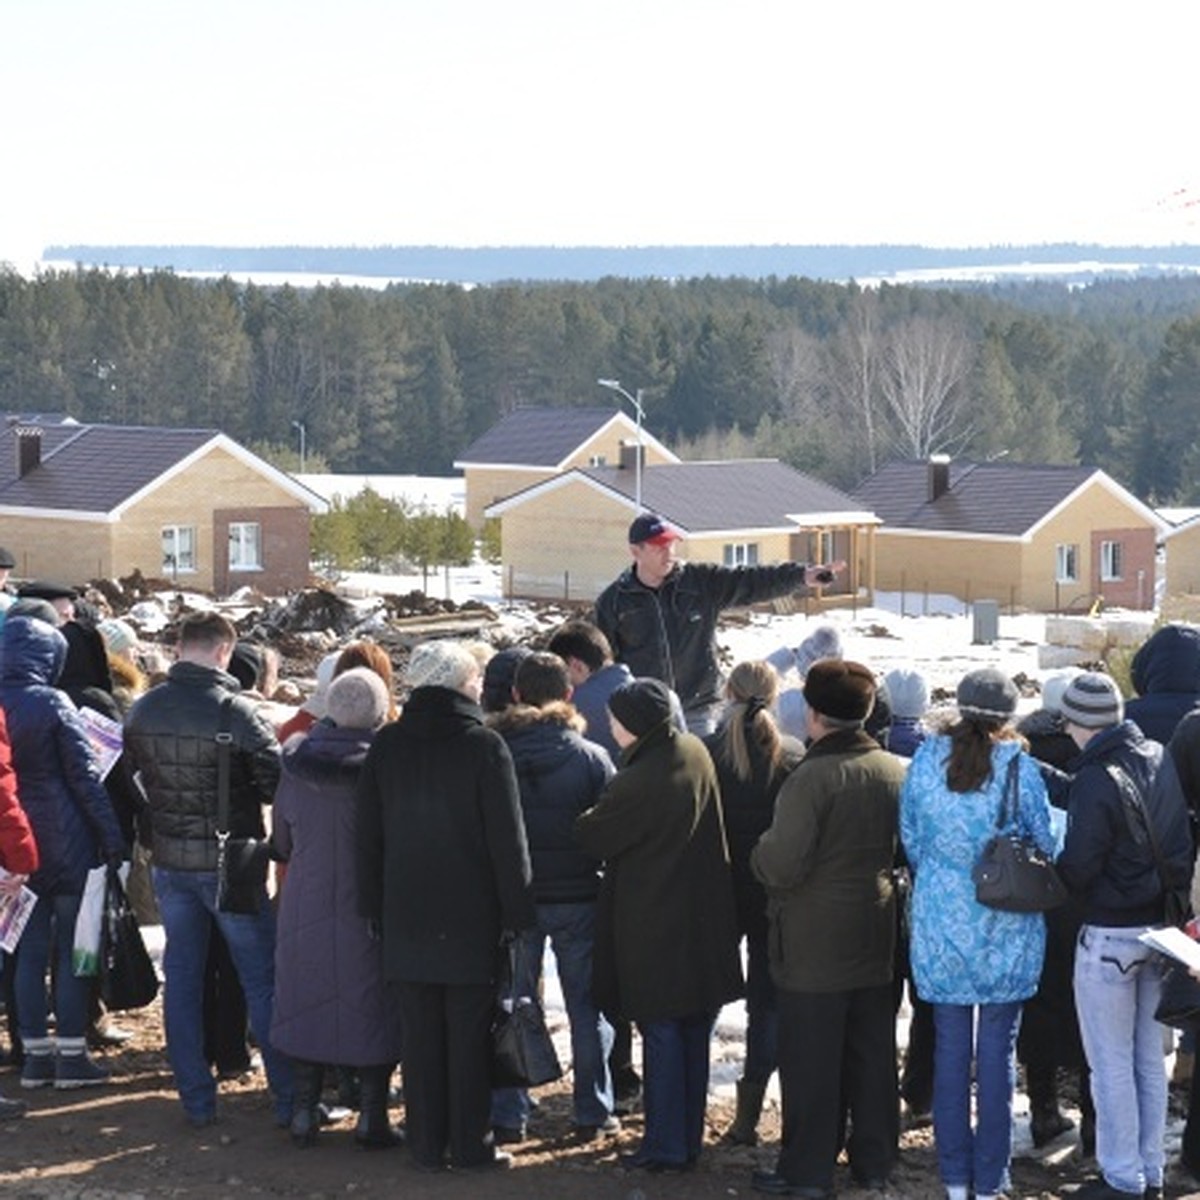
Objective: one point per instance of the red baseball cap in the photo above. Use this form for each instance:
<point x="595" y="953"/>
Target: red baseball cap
<point x="650" y="527"/>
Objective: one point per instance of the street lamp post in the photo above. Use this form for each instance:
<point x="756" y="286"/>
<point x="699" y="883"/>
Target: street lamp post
<point x="299" y="425"/>
<point x="614" y="385"/>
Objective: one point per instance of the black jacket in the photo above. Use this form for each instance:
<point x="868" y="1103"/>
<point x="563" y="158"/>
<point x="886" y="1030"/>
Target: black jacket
<point x="171" y="743"/>
<point x="442" y="861"/>
<point x="1166" y="676"/>
<point x="1102" y="863"/>
<point x="559" y="774"/>
<point x="669" y="632"/>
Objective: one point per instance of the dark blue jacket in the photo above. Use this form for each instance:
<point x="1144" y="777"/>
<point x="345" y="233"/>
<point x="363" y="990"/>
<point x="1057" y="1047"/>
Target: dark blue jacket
<point x="1115" y="877"/>
<point x="1166" y="676"/>
<point x="57" y="778"/>
<point x="560" y="774"/>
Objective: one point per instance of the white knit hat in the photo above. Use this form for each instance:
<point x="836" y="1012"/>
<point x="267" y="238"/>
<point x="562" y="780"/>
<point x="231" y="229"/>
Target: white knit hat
<point x="447" y="664"/>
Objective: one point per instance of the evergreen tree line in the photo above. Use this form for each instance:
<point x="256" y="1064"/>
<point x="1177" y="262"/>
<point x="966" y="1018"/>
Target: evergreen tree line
<point x="833" y="378"/>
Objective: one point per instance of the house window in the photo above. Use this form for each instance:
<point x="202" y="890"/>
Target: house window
<point x="1067" y="563"/>
<point x="825" y="550"/>
<point x="598" y="460"/>
<point x="245" y="546"/>
<point x="178" y="548"/>
<point x="1111" y="561"/>
<point x="741" y="554"/>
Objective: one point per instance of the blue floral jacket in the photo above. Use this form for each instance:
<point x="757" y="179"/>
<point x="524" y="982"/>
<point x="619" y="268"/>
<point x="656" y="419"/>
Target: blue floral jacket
<point x="963" y="952"/>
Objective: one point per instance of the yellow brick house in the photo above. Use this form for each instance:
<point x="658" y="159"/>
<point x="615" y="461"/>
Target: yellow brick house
<point x="530" y="445"/>
<point x="81" y="502"/>
<point x="566" y="537"/>
<point x="1045" y="538"/>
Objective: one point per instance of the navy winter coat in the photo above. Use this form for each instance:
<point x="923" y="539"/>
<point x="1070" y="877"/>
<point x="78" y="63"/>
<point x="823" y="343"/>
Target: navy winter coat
<point x="560" y="774"/>
<point x="1166" y="676"/>
<point x="331" y="1003"/>
<point x="57" y="778"/>
<point x="1114" y="877"/>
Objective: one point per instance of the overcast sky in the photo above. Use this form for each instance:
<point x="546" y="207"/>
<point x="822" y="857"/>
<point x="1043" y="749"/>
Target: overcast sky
<point x="622" y="122"/>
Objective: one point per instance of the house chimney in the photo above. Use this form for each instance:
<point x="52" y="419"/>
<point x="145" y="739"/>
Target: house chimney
<point x="630" y="453"/>
<point x="939" y="475"/>
<point x="29" y="449"/>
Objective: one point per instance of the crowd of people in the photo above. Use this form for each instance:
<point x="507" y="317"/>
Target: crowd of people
<point x="609" y="796"/>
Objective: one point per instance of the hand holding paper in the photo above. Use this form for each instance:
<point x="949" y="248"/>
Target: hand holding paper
<point x="1174" y="943"/>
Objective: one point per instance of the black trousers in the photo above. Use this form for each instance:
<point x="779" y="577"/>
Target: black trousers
<point x="448" y="1071"/>
<point x="837" y="1052"/>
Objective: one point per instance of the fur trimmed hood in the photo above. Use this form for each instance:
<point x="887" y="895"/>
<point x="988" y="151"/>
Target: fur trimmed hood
<point x="518" y="718"/>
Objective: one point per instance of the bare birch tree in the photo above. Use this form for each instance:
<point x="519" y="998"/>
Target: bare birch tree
<point x="925" y="365"/>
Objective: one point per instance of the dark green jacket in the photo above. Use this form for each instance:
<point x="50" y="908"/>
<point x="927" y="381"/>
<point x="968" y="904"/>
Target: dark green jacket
<point x="666" y="934"/>
<point x="826" y="863"/>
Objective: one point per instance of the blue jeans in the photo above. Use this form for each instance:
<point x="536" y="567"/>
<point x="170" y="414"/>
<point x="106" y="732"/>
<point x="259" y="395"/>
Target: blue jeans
<point x="675" y="1087"/>
<point x="985" y="1034"/>
<point x="52" y="920"/>
<point x="571" y="930"/>
<point x="187" y="901"/>
<point x="1117" y="985"/>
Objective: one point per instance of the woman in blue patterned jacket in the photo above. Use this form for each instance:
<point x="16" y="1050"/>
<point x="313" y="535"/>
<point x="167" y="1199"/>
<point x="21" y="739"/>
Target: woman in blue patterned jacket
<point x="975" y="965"/>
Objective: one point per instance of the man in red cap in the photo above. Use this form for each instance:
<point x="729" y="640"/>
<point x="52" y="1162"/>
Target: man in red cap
<point x="660" y="615"/>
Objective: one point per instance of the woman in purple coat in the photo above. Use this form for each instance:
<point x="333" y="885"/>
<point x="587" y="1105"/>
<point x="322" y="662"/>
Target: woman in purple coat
<point x="331" y="1003"/>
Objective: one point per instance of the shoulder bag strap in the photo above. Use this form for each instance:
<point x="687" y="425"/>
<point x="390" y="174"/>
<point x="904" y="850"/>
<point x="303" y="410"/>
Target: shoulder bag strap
<point x="1009" y="800"/>
<point x="1137" y="817"/>
<point x="224" y="744"/>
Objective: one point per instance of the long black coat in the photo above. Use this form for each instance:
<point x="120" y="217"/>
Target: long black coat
<point x="666" y="933"/>
<point x="442" y="859"/>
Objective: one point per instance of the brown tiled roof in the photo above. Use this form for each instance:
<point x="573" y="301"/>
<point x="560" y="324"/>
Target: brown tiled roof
<point x="1004" y="499"/>
<point x="536" y="437"/>
<point x="92" y="468"/>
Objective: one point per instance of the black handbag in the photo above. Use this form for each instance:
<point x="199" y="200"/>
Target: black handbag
<point x="241" y="862"/>
<point x="127" y="975"/>
<point x="1012" y="874"/>
<point x="1179" y="1003"/>
<point x="523" y="1053"/>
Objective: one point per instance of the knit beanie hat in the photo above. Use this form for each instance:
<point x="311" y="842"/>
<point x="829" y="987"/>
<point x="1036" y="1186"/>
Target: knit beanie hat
<point x="1053" y="687"/>
<point x="1093" y="702"/>
<point x="444" y="663"/>
<point x="118" y="635"/>
<point x="909" y="692"/>
<point x="357" y="699"/>
<point x="839" y="688"/>
<point x="987" y="693"/>
<point x="246" y="664"/>
<point x="823" y="642"/>
<point x="641" y="704"/>
<point x="499" y="676"/>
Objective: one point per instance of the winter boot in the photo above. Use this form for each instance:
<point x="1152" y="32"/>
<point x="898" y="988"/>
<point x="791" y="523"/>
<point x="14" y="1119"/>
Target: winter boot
<point x="1046" y="1122"/>
<point x="37" y="1069"/>
<point x="73" y="1068"/>
<point x="744" y="1130"/>
<point x="307" y="1078"/>
<point x="374" y="1130"/>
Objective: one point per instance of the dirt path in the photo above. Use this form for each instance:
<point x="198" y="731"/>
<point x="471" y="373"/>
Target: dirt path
<point x="129" y="1139"/>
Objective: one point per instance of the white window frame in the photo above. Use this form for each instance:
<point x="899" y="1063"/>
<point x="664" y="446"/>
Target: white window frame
<point x="242" y="542"/>
<point x="1112" y="562"/>
<point x="740" y="554"/>
<point x="825" y="547"/>
<point x="175" y="561"/>
<point x="1066" y="563"/>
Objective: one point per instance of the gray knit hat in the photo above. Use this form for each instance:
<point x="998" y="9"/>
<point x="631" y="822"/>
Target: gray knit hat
<point x="357" y="699"/>
<point x="909" y="693"/>
<point x="987" y="693"/>
<point x="1092" y="701"/>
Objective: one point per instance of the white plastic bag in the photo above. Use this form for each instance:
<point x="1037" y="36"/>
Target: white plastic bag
<point x="85" y="958"/>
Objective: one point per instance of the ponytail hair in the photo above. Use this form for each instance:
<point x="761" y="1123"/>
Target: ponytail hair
<point x="751" y="689"/>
